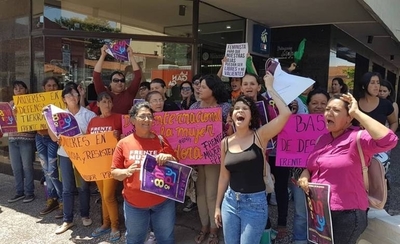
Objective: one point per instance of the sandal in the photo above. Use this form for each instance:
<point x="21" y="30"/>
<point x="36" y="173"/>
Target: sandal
<point x="200" y="237"/>
<point x="213" y="239"/>
<point x="99" y="231"/>
<point x="115" y="236"/>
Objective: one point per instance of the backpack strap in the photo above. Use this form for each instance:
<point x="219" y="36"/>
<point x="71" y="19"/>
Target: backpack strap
<point x="263" y="152"/>
<point x="362" y="158"/>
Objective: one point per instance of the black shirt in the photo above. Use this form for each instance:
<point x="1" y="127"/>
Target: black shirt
<point x="382" y="111"/>
<point x="170" y="106"/>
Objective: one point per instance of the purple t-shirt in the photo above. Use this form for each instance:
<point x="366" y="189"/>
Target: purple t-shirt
<point x="336" y="161"/>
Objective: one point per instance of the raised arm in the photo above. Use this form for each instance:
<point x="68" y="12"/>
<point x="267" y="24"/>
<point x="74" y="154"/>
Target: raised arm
<point x="134" y="86"/>
<point x="250" y="68"/>
<point x="273" y="127"/>
<point x="98" y="83"/>
<point x="223" y="61"/>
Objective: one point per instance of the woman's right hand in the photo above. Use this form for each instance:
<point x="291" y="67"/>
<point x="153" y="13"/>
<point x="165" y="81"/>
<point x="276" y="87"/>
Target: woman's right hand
<point x="303" y="183"/>
<point x="268" y="80"/>
<point x="218" y="218"/>
<point x="103" y="50"/>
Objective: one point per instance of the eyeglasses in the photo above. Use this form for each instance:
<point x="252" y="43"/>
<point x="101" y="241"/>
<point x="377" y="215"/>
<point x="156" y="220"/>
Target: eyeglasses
<point x="145" y="116"/>
<point x="115" y="80"/>
<point x="156" y="101"/>
<point x="142" y="88"/>
<point x="196" y="82"/>
<point x="186" y="89"/>
<point x="72" y="95"/>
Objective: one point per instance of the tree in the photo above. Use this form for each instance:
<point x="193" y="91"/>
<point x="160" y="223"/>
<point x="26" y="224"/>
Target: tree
<point x="349" y="72"/>
<point x="175" y="53"/>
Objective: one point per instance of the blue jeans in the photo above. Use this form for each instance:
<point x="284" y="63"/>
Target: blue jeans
<point x="137" y="221"/>
<point x="244" y="216"/>
<point x="68" y="184"/>
<point x="21" y="158"/>
<point x="300" y="215"/>
<point x="47" y="152"/>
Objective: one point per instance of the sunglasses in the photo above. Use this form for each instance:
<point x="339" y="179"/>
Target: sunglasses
<point x="115" y="80"/>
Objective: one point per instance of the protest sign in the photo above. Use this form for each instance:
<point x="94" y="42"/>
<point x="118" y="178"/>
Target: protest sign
<point x="169" y="180"/>
<point x="137" y="100"/>
<point x="297" y="139"/>
<point x="319" y="219"/>
<point x="28" y="109"/>
<point x="91" y="154"/>
<point x="60" y="121"/>
<point x="288" y="86"/>
<point x="127" y="127"/>
<point x="235" y="65"/>
<point x="7" y="119"/>
<point x="119" y="49"/>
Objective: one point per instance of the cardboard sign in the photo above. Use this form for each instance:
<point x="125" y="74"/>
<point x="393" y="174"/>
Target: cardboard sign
<point x="60" y="121"/>
<point x="119" y="49"/>
<point x="319" y="219"/>
<point x="28" y="109"/>
<point x="235" y="66"/>
<point x="7" y="119"/>
<point x="297" y="139"/>
<point x="91" y="154"/>
<point x="169" y="180"/>
<point x="194" y="134"/>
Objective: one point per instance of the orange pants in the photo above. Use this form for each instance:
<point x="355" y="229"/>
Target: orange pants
<point x="109" y="205"/>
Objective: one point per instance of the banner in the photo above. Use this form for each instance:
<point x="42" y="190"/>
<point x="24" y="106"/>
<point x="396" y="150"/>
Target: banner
<point x="60" y="121"/>
<point x="195" y="135"/>
<point x="91" y="154"/>
<point x="319" y="219"/>
<point x="138" y="100"/>
<point x="7" y="119"/>
<point x="119" y="49"/>
<point x="28" y="109"/>
<point x="297" y="139"/>
<point x="236" y="55"/>
<point x="169" y="180"/>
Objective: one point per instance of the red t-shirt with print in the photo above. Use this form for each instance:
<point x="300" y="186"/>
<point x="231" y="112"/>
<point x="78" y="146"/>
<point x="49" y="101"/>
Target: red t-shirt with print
<point x="131" y="150"/>
<point x="100" y="124"/>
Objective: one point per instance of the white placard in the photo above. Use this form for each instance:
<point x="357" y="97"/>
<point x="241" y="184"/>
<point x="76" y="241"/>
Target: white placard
<point x="235" y="66"/>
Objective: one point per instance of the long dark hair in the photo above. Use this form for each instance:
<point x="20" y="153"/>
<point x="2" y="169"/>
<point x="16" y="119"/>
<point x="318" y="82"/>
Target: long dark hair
<point x="341" y="83"/>
<point x="366" y="79"/>
<point x="219" y="91"/>
<point x="255" y="115"/>
<point x="389" y="86"/>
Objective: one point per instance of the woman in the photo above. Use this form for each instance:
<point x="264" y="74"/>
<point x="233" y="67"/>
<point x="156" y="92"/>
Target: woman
<point x="187" y="94"/>
<point x="242" y="167"/>
<point x="317" y="100"/>
<point x="159" y="85"/>
<point x="141" y="207"/>
<point x="336" y="161"/>
<point x="71" y="98"/>
<point x="212" y="93"/>
<point x="156" y="101"/>
<point x="21" y="148"/>
<point x="386" y="92"/>
<point x="196" y="85"/>
<point x="338" y="86"/>
<point x="47" y="153"/>
<point x="107" y="121"/>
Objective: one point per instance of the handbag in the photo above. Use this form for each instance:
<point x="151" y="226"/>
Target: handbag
<point x="374" y="179"/>
<point x="269" y="179"/>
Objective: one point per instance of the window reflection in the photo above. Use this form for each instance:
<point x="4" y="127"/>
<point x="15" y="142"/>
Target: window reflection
<point x="342" y="65"/>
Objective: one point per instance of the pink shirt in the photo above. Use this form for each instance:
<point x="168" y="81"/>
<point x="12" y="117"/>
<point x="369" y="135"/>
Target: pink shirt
<point x="337" y="162"/>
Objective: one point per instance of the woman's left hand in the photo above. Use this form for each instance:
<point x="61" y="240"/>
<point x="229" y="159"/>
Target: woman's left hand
<point x="162" y="158"/>
<point x="117" y="134"/>
<point x="353" y="105"/>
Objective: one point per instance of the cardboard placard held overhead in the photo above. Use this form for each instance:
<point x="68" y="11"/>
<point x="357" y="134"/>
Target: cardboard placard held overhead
<point x="235" y="66"/>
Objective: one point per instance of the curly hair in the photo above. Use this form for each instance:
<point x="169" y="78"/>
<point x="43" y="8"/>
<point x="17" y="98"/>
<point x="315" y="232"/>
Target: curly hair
<point x="255" y="114"/>
<point x="219" y="91"/>
<point x="135" y="109"/>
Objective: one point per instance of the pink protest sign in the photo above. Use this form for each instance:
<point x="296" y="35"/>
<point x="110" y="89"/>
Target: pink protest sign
<point x="7" y="119"/>
<point x="297" y="139"/>
<point x="118" y="49"/>
<point x="127" y="127"/>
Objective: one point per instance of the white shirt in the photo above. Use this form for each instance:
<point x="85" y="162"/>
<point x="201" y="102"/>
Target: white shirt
<point x="303" y="109"/>
<point x="83" y="118"/>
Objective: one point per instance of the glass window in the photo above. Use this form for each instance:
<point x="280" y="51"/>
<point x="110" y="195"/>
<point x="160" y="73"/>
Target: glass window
<point x="342" y="65"/>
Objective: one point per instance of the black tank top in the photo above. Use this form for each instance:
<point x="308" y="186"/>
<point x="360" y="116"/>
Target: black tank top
<point x="246" y="169"/>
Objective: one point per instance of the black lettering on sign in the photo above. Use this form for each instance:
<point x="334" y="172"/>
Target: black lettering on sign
<point x="106" y="175"/>
<point x="291" y="162"/>
<point x="93" y="154"/>
<point x="213" y="142"/>
<point x="28" y="127"/>
<point x="89" y="177"/>
<point x="305" y="146"/>
<point x="100" y="139"/>
<point x="285" y="144"/>
<point x="310" y="123"/>
<point x="31" y="98"/>
<point x="80" y="141"/>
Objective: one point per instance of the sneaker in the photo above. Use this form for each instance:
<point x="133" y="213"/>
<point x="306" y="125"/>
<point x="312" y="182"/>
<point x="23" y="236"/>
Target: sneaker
<point x="151" y="239"/>
<point x="51" y="205"/>
<point x="86" y="221"/>
<point x="189" y="206"/>
<point x="16" y="198"/>
<point x="60" y="213"/>
<point x="64" y="227"/>
<point x="28" y="198"/>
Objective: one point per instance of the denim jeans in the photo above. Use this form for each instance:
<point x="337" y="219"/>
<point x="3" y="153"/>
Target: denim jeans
<point x="137" y="221"/>
<point x="348" y="225"/>
<point x="300" y="215"/>
<point x="68" y="183"/>
<point x="47" y="152"/>
<point x="22" y="157"/>
<point x="244" y="216"/>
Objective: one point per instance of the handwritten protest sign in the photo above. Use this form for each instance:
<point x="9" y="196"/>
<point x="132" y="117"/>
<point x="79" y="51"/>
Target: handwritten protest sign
<point x="297" y="139"/>
<point x="60" y="121"/>
<point x="235" y="66"/>
<point x="91" y="154"/>
<point x="7" y="119"/>
<point x="127" y="127"/>
<point x="319" y="219"/>
<point x="28" y="109"/>
<point x="169" y="180"/>
<point x="118" y="49"/>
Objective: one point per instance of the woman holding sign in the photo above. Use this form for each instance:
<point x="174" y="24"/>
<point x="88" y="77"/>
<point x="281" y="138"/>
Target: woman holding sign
<point x="71" y="98"/>
<point x="107" y="121"/>
<point x="212" y="94"/>
<point x="241" y="187"/>
<point x="335" y="161"/>
<point x="141" y="208"/>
